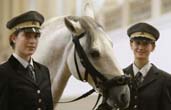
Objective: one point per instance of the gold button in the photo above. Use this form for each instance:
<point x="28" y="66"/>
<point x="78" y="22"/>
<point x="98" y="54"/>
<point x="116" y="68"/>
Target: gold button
<point x="39" y="109"/>
<point x="38" y="91"/>
<point x="135" y="106"/>
<point x="39" y="100"/>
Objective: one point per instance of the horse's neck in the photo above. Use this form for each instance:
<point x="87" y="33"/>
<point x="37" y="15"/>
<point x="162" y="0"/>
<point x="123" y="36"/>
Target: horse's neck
<point x="53" y="47"/>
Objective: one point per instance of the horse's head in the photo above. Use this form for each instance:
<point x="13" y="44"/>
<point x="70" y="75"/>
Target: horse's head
<point x="94" y="59"/>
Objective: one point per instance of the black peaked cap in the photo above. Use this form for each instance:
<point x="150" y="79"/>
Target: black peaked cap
<point x="143" y="27"/>
<point x="27" y="16"/>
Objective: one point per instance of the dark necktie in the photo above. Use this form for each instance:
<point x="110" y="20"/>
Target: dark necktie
<point x="138" y="78"/>
<point x="31" y="72"/>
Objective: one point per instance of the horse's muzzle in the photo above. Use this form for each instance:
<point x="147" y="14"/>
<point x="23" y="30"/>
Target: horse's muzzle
<point x="116" y="92"/>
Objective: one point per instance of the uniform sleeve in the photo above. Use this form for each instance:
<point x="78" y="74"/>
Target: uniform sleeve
<point x="166" y="94"/>
<point x="3" y="91"/>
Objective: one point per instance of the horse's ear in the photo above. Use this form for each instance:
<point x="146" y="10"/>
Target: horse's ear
<point x="73" y="24"/>
<point x="88" y="9"/>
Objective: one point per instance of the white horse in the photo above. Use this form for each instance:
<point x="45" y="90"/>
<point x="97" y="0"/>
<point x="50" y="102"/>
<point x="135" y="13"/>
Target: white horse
<point x="56" y="50"/>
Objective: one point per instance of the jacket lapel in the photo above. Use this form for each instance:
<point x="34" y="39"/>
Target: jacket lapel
<point x="19" y="69"/>
<point x="152" y="75"/>
<point x="38" y="73"/>
<point x="129" y="71"/>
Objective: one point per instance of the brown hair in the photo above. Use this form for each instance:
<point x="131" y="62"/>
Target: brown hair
<point x="12" y="44"/>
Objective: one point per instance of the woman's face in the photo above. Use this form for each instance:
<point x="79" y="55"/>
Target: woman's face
<point x="141" y="49"/>
<point x="25" y="43"/>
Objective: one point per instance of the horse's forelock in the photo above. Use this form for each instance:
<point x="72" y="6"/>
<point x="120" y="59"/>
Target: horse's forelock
<point x="88" y="23"/>
<point x="89" y="26"/>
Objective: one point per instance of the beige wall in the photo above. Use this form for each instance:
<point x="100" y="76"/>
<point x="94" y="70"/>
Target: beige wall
<point x="120" y="15"/>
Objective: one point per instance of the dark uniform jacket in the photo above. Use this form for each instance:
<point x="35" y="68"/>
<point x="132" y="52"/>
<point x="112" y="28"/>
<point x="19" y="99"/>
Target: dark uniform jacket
<point x="154" y="93"/>
<point x="19" y="92"/>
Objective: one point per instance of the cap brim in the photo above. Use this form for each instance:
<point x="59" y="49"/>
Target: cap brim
<point x="143" y="39"/>
<point x="143" y="34"/>
<point x="32" y="29"/>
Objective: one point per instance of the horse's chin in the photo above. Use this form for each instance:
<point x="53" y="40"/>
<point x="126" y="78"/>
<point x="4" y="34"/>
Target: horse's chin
<point x="119" y="105"/>
<point x="106" y="106"/>
<point x="119" y="102"/>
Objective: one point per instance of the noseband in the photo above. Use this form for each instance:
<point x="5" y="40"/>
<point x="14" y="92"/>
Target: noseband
<point x="104" y="84"/>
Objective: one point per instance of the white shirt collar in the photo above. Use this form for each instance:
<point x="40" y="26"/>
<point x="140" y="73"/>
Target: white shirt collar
<point x="23" y="61"/>
<point x="144" y="70"/>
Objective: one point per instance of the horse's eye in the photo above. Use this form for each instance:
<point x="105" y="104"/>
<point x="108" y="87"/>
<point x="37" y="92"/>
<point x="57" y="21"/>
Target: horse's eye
<point x="94" y="53"/>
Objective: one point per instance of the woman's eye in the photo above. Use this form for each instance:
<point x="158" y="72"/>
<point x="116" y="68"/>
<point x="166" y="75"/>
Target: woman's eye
<point x="37" y="35"/>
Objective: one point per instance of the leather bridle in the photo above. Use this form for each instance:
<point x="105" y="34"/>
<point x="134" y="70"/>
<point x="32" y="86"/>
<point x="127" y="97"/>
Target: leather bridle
<point x="105" y="84"/>
<point x="89" y="68"/>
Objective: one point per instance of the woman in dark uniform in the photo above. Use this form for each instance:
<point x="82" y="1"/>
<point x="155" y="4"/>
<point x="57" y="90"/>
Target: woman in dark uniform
<point x="24" y="83"/>
<point x="150" y="86"/>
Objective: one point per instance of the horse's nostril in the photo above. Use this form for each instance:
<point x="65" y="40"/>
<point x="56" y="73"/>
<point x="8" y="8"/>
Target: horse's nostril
<point x="124" y="98"/>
